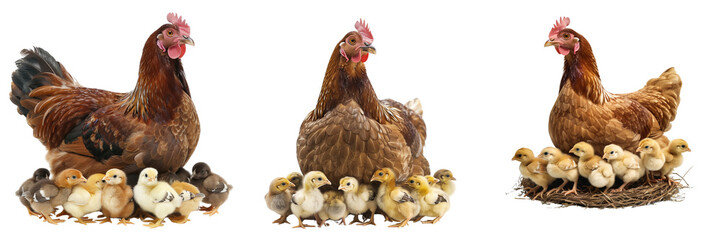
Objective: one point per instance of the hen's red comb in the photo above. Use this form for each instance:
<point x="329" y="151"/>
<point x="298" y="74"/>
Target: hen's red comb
<point x="560" y="25"/>
<point x="178" y="21"/>
<point x="364" y="31"/>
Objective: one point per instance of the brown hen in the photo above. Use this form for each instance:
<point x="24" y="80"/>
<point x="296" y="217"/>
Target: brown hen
<point x="94" y="130"/>
<point x="585" y="111"/>
<point x="351" y="132"/>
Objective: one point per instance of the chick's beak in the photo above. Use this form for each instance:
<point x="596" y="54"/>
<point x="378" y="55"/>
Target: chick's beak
<point x="187" y="41"/>
<point x="638" y="149"/>
<point x="453" y="178"/>
<point x="374" y="178"/>
<point x="291" y="184"/>
<point x="688" y="149"/>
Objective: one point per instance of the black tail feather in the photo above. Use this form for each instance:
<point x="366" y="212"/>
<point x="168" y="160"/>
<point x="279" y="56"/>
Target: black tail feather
<point x="34" y="62"/>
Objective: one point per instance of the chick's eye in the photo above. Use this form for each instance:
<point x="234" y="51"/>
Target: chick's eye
<point x="520" y="155"/>
<point x="646" y="147"/>
<point x="413" y="181"/>
<point x="347" y="184"/>
<point x="545" y="153"/>
<point x="319" y="179"/>
<point x="74" y="177"/>
<point x="380" y="174"/>
<point x="683" y="146"/>
<point x="612" y="152"/>
<point x="448" y="175"/>
<point x="578" y="149"/>
<point x="282" y="184"/>
<point x="115" y="176"/>
<point x="146" y="175"/>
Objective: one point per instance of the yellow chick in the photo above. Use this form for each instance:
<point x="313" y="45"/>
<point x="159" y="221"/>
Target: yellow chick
<point x="561" y="165"/>
<point x="674" y="158"/>
<point x="602" y="175"/>
<point x="359" y="198"/>
<point x="446" y="179"/>
<point x="433" y="201"/>
<point x="587" y="159"/>
<point x="433" y="181"/>
<point x="533" y="168"/>
<point x="652" y="157"/>
<point x="85" y="198"/>
<point x="190" y="198"/>
<point x="278" y="198"/>
<point x="395" y="201"/>
<point x="334" y="208"/>
<point x="117" y="197"/>
<point x="308" y="201"/>
<point x="156" y="197"/>
<point x="626" y="165"/>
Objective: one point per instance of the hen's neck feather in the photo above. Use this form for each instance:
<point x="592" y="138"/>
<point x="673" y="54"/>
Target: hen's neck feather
<point x="160" y="87"/>
<point x="581" y="71"/>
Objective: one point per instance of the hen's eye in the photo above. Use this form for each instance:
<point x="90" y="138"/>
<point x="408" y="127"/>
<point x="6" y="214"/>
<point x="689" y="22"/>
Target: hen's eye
<point x="352" y="40"/>
<point x="566" y="36"/>
<point x="170" y="33"/>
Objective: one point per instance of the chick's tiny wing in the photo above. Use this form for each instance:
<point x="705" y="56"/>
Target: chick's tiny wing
<point x="79" y="196"/>
<point x="566" y="164"/>
<point x="215" y="184"/>
<point x="401" y="195"/>
<point x="45" y="192"/>
<point x="298" y="198"/>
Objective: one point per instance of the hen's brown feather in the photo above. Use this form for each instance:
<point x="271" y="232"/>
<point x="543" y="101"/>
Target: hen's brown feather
<point x="352" y="133"/>
<point x="585" y="111"/>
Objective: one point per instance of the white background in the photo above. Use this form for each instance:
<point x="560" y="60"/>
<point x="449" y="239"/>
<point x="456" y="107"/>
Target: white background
<point x="484" y="78"/>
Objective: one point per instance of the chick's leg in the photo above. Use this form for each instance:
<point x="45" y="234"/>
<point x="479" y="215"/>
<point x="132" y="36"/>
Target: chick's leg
<point x="213" y="210"/>
<point x="105" y="220"/>
<point x="565" y="181"/>
<point x="179" y="219"/>
<point x="84" y="220"/>
<point x="355" y="220"/>
<point x="621" y="188"/>
<point x="50" y="220"/>
<point x="301" y="225"/>
<point x="282" y="219"/>
<point x="30" y="211"/>
<point x="400" y="224"/>
<point x="371" y="221"/>
<point x="434" y="221"/>
<point x="158" y="223"/>
<point x="575" y="184"/>
<point x="125" y="222"/>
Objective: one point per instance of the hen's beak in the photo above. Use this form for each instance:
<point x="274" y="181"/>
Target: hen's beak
<point x="369" y="49"/>
<point x="550" y="43"/>
<point x="187" y="41"/>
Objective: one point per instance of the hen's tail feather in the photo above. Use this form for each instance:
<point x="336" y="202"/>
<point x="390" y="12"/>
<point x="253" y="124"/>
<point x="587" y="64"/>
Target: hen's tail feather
<point x="661" y="96"/>
<point x="37" y="68"/>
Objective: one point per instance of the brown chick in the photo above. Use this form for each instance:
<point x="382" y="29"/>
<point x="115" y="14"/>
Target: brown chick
<point x="446" y="179"/>
<point x="117" y="198"/>
<point x="47" y="194"/>
<point x="278" y="198"/>
<point x="334" y="208"/>
<point x="674" y="158"/>
<point x="212" y="186"/>
<point x="297" y="179"/>
<point x="24" y="190"/>
<point x="533" y="168"/>
<point x="190" y="196"/>
<point x="586" y="158"/>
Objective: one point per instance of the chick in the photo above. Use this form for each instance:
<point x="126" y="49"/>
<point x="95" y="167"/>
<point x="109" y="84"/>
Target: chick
<point x="85" y="198"/>
<point x="213" y="186"/>
<point x="24" y="190"/>
<point x="359" y="198"/>
<point x="602" y="175"/>
<point x="434" y="202"/>
<point x="181" y="175"/>
<point x="561" y="165"/>
<point x="626" y="165"/>
<point x="297" y="179"/>
<point x="586" y="158"/>
<point x="117" y="197"/>
<point x="533" y="168"/>
<point x="334" y="208"/>
<point x="308" y="201"/>
<point x="395" y="201"/>
<point x="278" y="198"/>
<point x="674" y="158"/>
<point x="433" y="181"/>
<point x="155" y="197"/>
<point x="446" y="181"/>
<point x="190" y="198"/>
<point x="47" y="194"/>
<point x="652" y="157"/>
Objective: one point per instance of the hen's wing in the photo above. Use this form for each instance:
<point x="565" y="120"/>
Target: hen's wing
<point x="347" y="143"/>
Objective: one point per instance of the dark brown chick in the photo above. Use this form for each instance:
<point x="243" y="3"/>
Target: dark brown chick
<point x="212" y="186"/>
<point x="47" y="194"/>
<point x="24" y="190"/>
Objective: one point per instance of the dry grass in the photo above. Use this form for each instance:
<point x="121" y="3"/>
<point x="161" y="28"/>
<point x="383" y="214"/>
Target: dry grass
<point x="636" y="194"/>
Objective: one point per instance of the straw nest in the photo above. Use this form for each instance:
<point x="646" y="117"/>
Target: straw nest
<point x="636" y="194"/>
